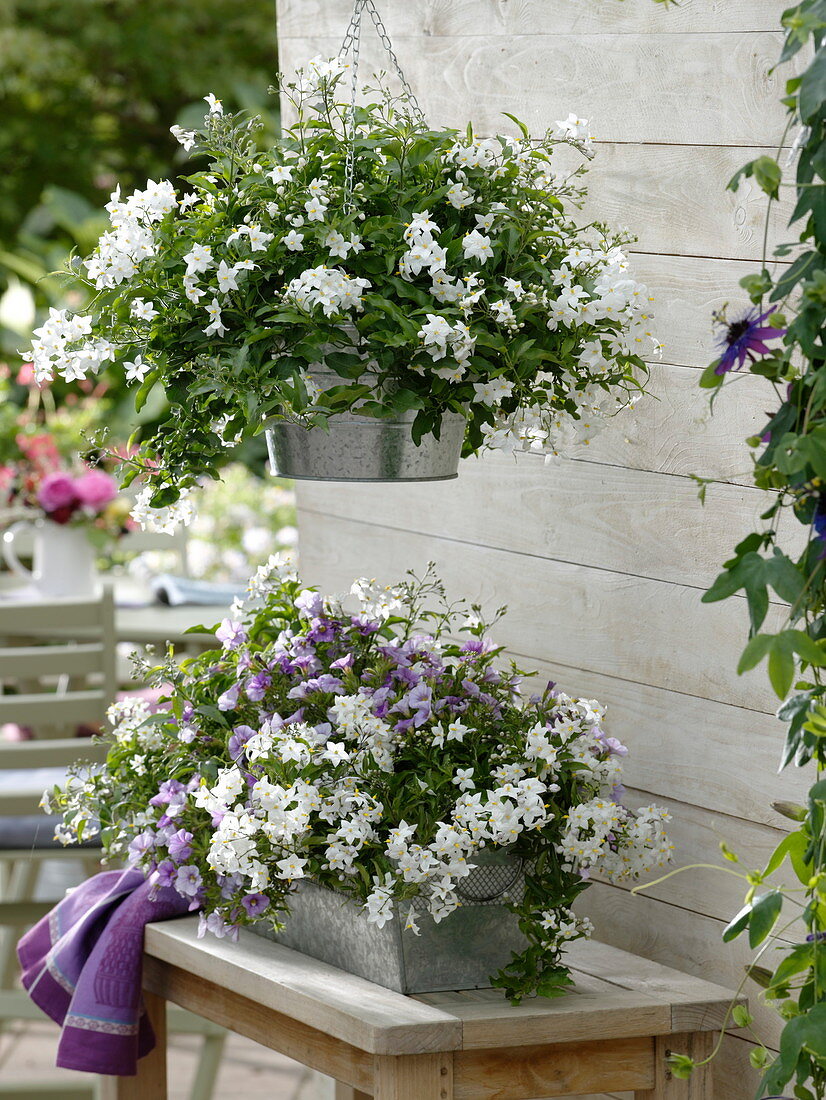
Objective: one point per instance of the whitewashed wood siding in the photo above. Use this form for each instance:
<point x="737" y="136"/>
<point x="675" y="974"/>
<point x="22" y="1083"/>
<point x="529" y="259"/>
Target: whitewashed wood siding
<point x="603" y="559"/>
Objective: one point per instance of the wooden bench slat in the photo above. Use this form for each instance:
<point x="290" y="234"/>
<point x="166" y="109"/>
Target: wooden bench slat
<point x="696" y="1004"/>
<point x="365" y="1015"/>
<point x="584" y="1018"/>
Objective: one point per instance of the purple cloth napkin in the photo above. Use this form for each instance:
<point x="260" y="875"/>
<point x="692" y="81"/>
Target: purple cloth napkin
<point x="82" y="965"/>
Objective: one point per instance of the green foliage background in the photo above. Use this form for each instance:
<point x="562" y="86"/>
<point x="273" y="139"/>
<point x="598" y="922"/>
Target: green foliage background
<point x="88" y="91"/>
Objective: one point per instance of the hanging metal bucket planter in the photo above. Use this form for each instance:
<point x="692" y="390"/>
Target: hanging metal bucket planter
<point x="363" y="448"/>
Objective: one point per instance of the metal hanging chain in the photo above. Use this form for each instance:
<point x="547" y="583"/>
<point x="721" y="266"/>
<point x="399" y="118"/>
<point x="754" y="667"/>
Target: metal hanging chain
<point x="352" y="45"/>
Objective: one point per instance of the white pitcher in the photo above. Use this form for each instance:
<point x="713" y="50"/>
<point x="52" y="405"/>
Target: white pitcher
<point x="63" y="558"/>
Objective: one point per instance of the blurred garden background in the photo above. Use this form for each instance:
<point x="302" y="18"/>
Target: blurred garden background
<point x="88" y="91"/>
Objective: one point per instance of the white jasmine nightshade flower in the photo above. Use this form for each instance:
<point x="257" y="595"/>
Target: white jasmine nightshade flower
<point x="330" y="287"/>
<point x="318" y="188"/>
<point x="188" y="200"/>
<point x="280" y="174"/>
<point x="493" y="392"/>
<point x="198" y="259"/>
<point x="187" y="138"/>
<point x="216" y="326"/>
<point x="216" y="107"/>
<point x="458" y="197"/>
<point x="191" y="289"/>
<point x="143" y="311"/>
<point x="315" y="210"/>
<point x="294" y="241"/>
<point x="162" y="520"/>
<point x="573" y="127"/>
<point x="464" y="779"/>
<point x="476" y="246"/>
<point x="291" y="867"/>
<point x="485" y="221"/>
<point x="337" y="244"/>
<point x="514" y="287"/>
<point x="258" y="239"/>
<point x="227" y="277"/>
<point x="137" y="370"/>
<point x="503" y="312"/>
<point x="436" y="334"/>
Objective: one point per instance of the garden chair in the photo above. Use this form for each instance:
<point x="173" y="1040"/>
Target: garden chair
<point x="59" y="686"/>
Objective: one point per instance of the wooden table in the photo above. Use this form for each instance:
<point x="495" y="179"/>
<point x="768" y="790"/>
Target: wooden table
<point x="612" y="1032"/>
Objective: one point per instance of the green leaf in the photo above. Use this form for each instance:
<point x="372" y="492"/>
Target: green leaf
<point x="767" y="172"/>
<point x="737" y="924"/>
<point x="781" y="669"/>
<point x="812" y="92"/>
<point x="764" y="914"/>
<point x="754" y="652"/>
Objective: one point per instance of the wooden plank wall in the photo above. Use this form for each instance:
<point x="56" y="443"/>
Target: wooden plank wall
<point x="603" y="559"/>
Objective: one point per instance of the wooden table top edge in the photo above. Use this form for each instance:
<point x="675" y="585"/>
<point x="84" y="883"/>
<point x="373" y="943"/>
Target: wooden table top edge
<point x="380" y="1021"/>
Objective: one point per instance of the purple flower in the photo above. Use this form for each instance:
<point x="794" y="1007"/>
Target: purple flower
<point x="229" y="699"/>
<point x="188" y="881"/>
<point x="144" y="842"/>
<point x="217" y="926"/>
<point x="745" y="339"/>
<point x="343" y="663"/>
<point x="310" y="604"/>
<point x="257" y="686"/>
<point x="240" y="736"/>
<point x="231" y="634"/>
<point x="164" y="873"/>
<point x="255" y="904"/>
<point x="180" y="846"/>
<point x="167" y="792"/>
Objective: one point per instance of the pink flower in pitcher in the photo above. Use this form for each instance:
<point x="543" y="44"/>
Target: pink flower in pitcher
<point x="95" y="489"/>
<point x="58" y="492"/>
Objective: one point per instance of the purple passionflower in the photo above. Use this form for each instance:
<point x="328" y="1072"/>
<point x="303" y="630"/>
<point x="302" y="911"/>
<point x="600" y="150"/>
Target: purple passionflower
<point x="231" y="634"/>
<point x="255" y="904"/>
<point x="180" y="846"/>
<point x="745" y="339"/>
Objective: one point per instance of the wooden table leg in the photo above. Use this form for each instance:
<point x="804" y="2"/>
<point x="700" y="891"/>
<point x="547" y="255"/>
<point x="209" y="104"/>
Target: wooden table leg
<point x="414" y="1077"/>
<point x="698" y="1045"/>
<point x="150" y="1080"/>
<point x="347" y="1092"/>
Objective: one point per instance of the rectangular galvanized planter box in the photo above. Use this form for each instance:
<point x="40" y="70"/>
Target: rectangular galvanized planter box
<point x="461" y="952"/>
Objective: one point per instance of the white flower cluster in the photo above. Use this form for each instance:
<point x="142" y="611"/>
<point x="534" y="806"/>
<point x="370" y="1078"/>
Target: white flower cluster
<point x="163" y="520"/>
<point x="329" y="287"/>
<point x="130" y="240"/>
<point x="60" y="346"/>
<point x="603" y="836"/>
<point x="377" y="601"/>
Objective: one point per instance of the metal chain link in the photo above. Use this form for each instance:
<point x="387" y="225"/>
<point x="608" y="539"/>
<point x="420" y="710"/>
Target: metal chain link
<point x="351" y="45"/>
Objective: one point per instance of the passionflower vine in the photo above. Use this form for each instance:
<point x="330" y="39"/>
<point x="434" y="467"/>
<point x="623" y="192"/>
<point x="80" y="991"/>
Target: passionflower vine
<point x="745" y="339"/>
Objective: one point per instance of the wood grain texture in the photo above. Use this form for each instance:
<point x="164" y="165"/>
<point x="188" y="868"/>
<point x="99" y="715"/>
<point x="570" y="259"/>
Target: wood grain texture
<point x="348" y="1009"/>
<point x="537" y="17"/>
<point x="263" y="1025"/>
<point x="651" y="632"/>
<point x="667" y="1087"/>
<point x="631" y="521"/>
<point x="615" y="1014"/>
<point x="678" y="938"/>
<point x="551" y="1071"/>
<point x="660" y="192"/>
<point x="702" y="89"/>
<point x="414" y="1077"/>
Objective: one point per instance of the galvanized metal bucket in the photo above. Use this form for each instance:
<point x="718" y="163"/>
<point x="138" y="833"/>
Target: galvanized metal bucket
<point x="461" y="952"/>
<point x="362" y="448"/>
